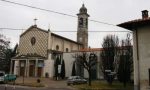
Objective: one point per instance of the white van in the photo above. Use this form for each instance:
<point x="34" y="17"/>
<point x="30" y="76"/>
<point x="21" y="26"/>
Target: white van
<point x="2" y="76"/>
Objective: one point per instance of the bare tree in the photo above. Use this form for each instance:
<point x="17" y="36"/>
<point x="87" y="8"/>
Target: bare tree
<point x="87" y="61"/>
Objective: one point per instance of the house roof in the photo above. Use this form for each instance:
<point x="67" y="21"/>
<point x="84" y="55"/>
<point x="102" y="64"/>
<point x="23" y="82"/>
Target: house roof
<point x="90" y="49"/>
<point x="100" y="49"/>
<point x="133" y="24"/>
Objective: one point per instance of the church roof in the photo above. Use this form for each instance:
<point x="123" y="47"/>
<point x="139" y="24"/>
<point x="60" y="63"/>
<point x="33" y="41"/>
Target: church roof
<point x="35" y="26"/>
<point x="65" y="38"/>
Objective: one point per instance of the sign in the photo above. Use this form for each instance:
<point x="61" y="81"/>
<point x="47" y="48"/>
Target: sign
<point x="40" y="64"/>
<point x="59" y="69"/>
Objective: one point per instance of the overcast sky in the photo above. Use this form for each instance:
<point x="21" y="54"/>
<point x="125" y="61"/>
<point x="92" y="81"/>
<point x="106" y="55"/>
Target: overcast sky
<point x="109" y="11"/>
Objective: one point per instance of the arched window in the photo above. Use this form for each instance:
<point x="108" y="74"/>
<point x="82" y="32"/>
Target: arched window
<point x="57" y="47"/>
<point x="80" y="21"/>
<point x="67" y="49"/>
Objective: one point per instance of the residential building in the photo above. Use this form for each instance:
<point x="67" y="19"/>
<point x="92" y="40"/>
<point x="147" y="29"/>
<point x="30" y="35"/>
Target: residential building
<point x="141" y="50"/>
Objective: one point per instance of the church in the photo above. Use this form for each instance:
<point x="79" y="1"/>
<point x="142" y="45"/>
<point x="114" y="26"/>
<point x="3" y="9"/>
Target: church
<point x="39" y="48"/>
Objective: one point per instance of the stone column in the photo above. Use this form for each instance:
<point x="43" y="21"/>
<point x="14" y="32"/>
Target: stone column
<point x="27" y="68"/>
<point x="36" y="67"/>
<point x="18" y="71"/>
<point x="11" y="67"/>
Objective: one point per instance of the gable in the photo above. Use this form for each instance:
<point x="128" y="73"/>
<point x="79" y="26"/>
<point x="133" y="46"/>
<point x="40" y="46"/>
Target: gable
<point x="33" y="41"/>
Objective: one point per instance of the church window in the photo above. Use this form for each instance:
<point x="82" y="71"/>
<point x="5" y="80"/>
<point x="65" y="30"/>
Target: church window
<point x="80" y="21"/>
<point x="53" y="57"/>
<point x="33" y="41"/>
<point x="67" y="49"/>
<point x="57" y="47"/>
<point x="86" y="22"/>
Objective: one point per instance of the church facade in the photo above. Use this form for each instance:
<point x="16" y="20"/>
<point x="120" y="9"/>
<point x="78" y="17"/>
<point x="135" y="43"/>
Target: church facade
<point x="39" y="48"/>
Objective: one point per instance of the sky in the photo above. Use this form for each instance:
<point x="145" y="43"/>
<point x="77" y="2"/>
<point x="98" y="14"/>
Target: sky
<point x="109" y="11"/>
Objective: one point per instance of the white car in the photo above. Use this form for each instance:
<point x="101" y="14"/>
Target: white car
<point x="76" y="80"/>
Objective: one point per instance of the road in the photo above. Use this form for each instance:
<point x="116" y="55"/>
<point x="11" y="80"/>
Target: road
<point x="10" y="87"/>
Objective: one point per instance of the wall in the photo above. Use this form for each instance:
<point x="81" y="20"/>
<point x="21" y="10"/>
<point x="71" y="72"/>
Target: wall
<point x="69" y="59"/>
<point x="40" y="46"/>
<point x="63" y="44"/>
<point x="143" y="46"/>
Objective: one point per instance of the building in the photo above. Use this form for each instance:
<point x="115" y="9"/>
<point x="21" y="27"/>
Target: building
<point x="141" y="50"/>
<point x="70" y="59"/>
<point x="39" y="48"/>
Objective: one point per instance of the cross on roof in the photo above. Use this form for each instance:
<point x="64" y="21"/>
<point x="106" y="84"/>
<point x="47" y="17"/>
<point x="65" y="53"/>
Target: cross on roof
<point x="35" y="21"/>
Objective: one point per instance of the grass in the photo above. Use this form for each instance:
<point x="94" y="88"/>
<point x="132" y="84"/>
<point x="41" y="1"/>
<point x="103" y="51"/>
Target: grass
<point x="103" y="85"/>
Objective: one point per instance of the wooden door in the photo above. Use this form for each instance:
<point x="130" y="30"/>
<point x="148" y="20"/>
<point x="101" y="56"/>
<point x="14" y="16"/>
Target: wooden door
<point x="31" y="70"/>
<point x="22" y="71"/>
<point x="39" y="71"/>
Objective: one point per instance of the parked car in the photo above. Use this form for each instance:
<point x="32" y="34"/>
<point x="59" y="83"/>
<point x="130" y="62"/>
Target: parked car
<point x="76" y="80"/>
<point x="9" y="77"/>
<point x="2" y="76"/>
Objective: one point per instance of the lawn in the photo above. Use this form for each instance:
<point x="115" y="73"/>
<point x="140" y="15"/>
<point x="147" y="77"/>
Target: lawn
<point x="103" y="85"/>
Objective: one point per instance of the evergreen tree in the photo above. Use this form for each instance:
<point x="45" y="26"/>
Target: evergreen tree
<point x="73" y="70"/>
<point x="110" y="45"/>
<point x="57" y="62"/>
<point x="63" y="72"/>
<point x="126" y="61"/>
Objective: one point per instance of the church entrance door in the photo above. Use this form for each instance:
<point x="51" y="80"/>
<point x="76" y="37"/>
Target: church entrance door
<point x="31" y="70"/>
<point x="39" y="72"/>
<point x="22" y="70"/>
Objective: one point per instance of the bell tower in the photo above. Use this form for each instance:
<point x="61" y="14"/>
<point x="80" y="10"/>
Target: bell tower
<point x="82" y="31"/>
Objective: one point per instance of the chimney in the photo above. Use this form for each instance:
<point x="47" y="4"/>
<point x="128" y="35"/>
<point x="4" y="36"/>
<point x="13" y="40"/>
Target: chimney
<point x="144" y="14"/>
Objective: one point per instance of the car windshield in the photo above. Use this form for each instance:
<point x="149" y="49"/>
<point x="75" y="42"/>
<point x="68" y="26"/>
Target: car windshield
<point x="1" y="74"/>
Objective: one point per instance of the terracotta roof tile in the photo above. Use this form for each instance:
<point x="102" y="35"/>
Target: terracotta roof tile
<point x="90" y="49"/>
<point x="131" y="25"/>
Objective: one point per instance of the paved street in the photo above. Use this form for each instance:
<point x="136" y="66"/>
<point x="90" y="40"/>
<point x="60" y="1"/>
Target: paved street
<point x="49" y="85"/>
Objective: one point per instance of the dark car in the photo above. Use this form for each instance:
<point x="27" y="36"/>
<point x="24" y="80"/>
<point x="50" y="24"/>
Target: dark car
<point x="10" y="77"/>
<point x="74" y="80"/>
